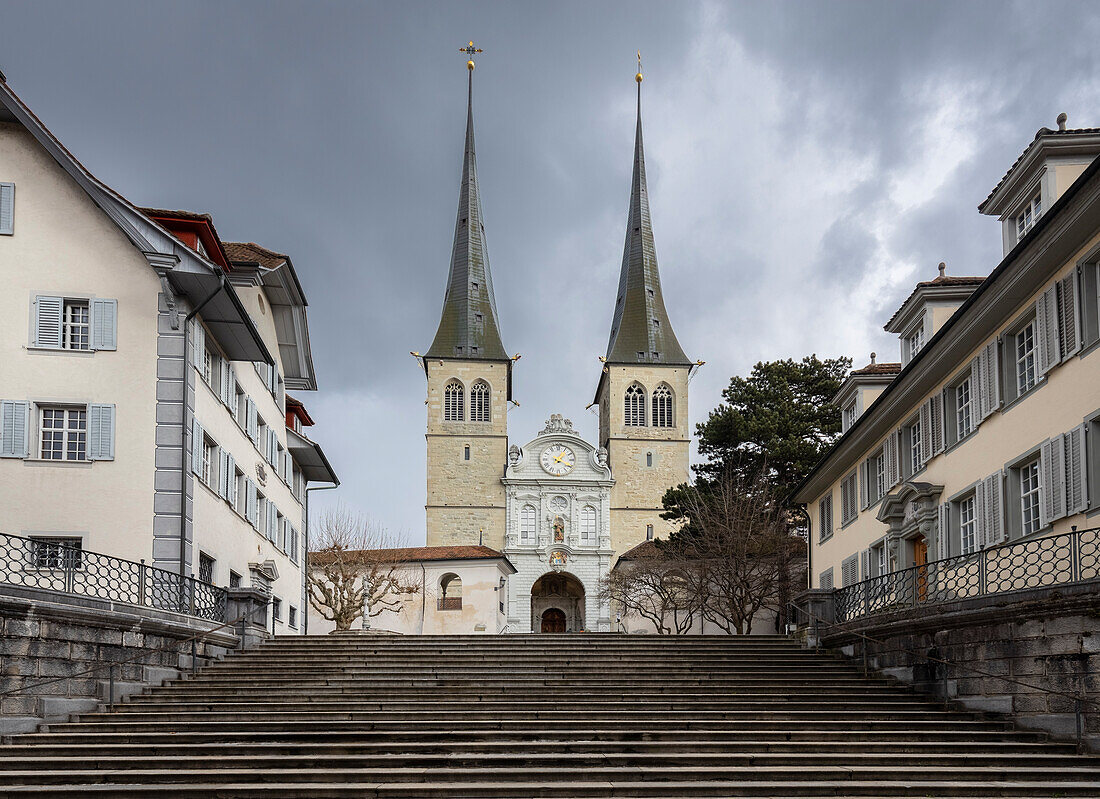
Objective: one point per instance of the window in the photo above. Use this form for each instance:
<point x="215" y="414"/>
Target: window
<point x="916" y="461"/>
<point x="634" y="406"/>
<point x="466" y="453"/>
<point x="848" y="507"/>
<point x="292" y="617"/>
<point x="649" y="460"/>
<point x="662" y="406"/>
<point x="968" y="526"/>
<point x="450" y="592"/>
<point x="56" y="553"/>
<point x="1029" y="498"/>
<point x="849" y="415"/>
<point x="649" y="532"/>
<point x="75" y="334"/>
<point x="209" y="448"/>
<point x="234" y="580"/>
<point x="878" y="465"/>
<point x="277" y="608"/>
<point x="64" y="434"/>
<point x="964" y="423"/>
<point x="1026" y="376"/>
<point x="7" y="209"/>
<point x="825" y="580"/>
<point x="913" y="341"/>
<point x="206" y="568"/>
<point x="588" y="525"/>
<point x="527" y="524"/>
<point x="480" y="402"/>
<point x="879" y="559"/>
<point x="240" y="493"/>
<point x="1027" y="218"/>
<point x="208" y="366"/>
<point x="453" y="400"/>
<point x="825" y="517"/>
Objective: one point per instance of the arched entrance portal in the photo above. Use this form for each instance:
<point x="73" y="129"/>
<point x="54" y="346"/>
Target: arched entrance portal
<point x="562" y="593"/>
<point x="553" y="620"/>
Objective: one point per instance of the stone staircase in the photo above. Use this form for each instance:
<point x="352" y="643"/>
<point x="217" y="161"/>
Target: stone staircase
<point x="537" y="716"/>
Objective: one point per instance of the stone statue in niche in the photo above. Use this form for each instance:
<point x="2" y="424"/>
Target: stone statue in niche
<point x="559" y="530"/>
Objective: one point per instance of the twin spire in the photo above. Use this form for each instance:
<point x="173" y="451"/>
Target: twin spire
<point x="469" y="326"/>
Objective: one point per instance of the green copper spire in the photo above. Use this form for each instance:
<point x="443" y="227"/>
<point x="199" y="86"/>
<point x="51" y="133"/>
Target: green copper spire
<point x="469" y="326"/>
<point x="641" y="331"/>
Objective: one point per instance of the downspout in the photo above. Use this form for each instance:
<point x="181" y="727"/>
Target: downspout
<point x="185" y="423"/>
<point x="423" y="595"/>
<point x="305" y="554"/>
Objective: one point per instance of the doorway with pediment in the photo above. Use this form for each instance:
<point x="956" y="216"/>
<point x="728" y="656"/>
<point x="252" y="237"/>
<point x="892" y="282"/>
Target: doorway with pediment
<point x="557" y="603"/>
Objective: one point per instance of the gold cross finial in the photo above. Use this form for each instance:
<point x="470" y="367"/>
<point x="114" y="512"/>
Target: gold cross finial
<point x="469" y="50"/>
<point x="638" y="77"/>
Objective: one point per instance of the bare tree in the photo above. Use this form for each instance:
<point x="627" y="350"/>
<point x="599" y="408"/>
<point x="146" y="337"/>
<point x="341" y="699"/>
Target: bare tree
<point x="735" y="550"/>
<point x="654" y="587"/>
<point x="355" y="567"/>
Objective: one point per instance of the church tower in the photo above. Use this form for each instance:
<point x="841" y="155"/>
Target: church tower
<point x="469" y="383"/>
<point x="643" y="388"/>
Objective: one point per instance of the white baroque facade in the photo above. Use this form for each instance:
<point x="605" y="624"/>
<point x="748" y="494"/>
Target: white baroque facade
<point x="558" y="532"/>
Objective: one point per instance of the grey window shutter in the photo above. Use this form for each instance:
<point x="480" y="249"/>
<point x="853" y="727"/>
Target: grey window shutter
<point x="892" y="469"/>
<point x="1076" y="472"/>
<point x="198" y="343"/>
<point x="1069" y="323"/>
<point x="995" y="509"/>
<point x="251" y="422"/>
<point x="926" y="432"/>
<point x="865" y="564"/>
<point x="863" y="493"/>
<point x="47" y="321"/>
<point x="231" y="479"/>
<point x="976" y="414"/>
<point x="196" y="446"/>
<point x="991" y="380"/>
<point x="231" y="388"/>
<point x="250" y="501"/>
<point x="7" y="209"/>
<point x="14" y="426"/>
<point x="272" y="520"/>
<point x="101" y="432"/>
<point x="104" y="324"/>
<point x="1046" y="329"/>
<point x="1052" y="480"/>
<point x="936" y="414"/>
<point x="981" y="515"/>
<point x="943" y="530"/>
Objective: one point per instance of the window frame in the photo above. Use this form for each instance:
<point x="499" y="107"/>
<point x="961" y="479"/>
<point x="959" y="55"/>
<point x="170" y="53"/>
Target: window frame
<point x="825" y="517"/>
<point x="54" y="552"/>
<point x="481" y="402"/>
<point x="634" y="405"/>
<point x="1021" y="361"/>
<point x="454" y="401"/>
<point x="71" y="328"/>
<point x="1027" y="215"/>
<point x="1030" y="499"/>
<point x="968" y="502"/>
<point x="206" y="563"/>
<point x="67" y="409"/>
<point x="663" y="407"/>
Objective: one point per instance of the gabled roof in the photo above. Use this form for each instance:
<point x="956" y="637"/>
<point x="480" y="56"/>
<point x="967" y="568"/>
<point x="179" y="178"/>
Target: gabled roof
<point x="295" y="407"/>
<point x="1070" y="141"/>
<point x="469" y="326"/>
<point x="198" y="225"/>
<point x="942" y="287"/>
<point x="641" y="327"/>
<point x="870" y="369"/>
<point x="424" y="554"/>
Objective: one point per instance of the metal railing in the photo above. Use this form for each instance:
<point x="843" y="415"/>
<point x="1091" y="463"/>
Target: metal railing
<point x="449" y="603"/>
<point x="1057" y="559"/>
<point x="54" y="565"/>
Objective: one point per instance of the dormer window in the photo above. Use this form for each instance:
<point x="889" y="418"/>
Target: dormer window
<point x="1027" y="217"/>
<point x="849" y="415"/>
<point x="913" y="341"/>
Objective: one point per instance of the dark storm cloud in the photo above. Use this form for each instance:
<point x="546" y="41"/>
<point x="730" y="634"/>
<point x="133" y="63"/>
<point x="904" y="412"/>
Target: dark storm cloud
<point x="807" y="163"/>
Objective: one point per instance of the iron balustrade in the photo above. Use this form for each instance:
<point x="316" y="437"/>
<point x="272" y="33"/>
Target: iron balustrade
<point x="1057" y="559"/>
<point x="55" y="565"/>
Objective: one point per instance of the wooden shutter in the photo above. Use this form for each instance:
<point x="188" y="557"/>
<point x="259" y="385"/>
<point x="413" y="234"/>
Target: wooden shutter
<point x="104" y="324"/>
<point x="7" y="209"/>
<point x="865" y="562"/>
<point x="14" y="416"/>
<point x="936" y="414"/>
<point x="943" y="531"/>
<point x="47" y="321"/>
<point x="981" y="524"/>
<point x="893" y="459"/>
<point x="1076" y="472"/>
<point x="1052" y="480"/>
<point x="991" y="380"/>
<point x="976" y="415"/>
<point x="231" y="480"/>
<point x="196" y="446"/>
<point x="101" y="432"/>
<point x="272" y="521"/>
<point x="251" y="421"/>
<point x="250" y="509"/>
<point x="994" y="509"/>
<point x="1069" y="324"/>
<point x="926" y="432"/>
<point x="198" y="343"/>
<point x="864" y="492"/>
<point x="1046" y="329"/>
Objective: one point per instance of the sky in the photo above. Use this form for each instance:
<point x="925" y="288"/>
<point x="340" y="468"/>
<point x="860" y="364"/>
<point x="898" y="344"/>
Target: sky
<point x="807" y="164"/>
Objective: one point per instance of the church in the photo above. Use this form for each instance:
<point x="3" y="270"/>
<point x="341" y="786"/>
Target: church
<point x="558" y="509"/>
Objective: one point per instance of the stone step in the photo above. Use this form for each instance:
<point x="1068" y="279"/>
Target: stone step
<point x="185" y="693"/>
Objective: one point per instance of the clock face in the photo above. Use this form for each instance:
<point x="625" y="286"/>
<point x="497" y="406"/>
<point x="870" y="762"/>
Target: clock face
<point x="558" y="459"/>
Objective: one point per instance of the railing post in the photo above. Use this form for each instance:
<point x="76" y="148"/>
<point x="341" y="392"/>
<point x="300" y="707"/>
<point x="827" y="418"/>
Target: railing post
<point x="142" y="573"/>
<point x="1074" y="554"/>
<point x="983" y="571"/>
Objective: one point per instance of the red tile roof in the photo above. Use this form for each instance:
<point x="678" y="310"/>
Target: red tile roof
<point x="252" y="253"/>
<point x="877" y="369"/>
<point x="410" y="554"/>
<point x="646" y="549"/>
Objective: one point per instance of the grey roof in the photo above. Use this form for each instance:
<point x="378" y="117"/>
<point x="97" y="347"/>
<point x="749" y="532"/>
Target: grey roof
<point x="469" y="319"/>
<point x="641" y="322"/>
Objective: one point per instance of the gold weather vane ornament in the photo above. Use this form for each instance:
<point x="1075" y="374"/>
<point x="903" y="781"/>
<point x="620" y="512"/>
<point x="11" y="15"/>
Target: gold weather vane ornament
<point x="470" y="50"/>
<point x="637" y="77"/>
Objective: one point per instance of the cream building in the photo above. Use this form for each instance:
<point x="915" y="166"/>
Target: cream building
<point x="143" y="411"/>
<point x="605" y="498"/>
<point x="985" y="431"/>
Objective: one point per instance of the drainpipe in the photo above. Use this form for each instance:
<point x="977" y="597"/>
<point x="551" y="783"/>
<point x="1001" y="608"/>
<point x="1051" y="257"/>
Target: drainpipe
<point x="185" y="423"/>
<point x="305" y="555"/>
<point x="423" y="595"/>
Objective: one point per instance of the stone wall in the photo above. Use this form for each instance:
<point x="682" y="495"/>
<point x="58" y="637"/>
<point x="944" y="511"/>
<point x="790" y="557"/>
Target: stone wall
<point x="1004" y="648"/>
<point x="48" y="641"/>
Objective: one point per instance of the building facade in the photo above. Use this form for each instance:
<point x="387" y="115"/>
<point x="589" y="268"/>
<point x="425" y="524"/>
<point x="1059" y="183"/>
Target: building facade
<point x="143" y="408"/>
<point x="603" y="498"/>
<point x="985" y="430"/>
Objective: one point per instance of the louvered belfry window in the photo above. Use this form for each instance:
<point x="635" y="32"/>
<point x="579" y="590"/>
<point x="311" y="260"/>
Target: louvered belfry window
<point x="634" y="406"/>
<point x="662" y="406"/>
<point x="480" y="402"/>
<point x="453" y="404"/>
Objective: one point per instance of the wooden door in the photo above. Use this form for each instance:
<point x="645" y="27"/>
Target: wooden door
<point x="920" y="560"/>
<point x="553" y="621"/>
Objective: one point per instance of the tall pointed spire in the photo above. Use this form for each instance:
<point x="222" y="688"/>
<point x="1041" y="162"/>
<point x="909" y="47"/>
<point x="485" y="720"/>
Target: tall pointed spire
<point x="469" y="325"/>
<point x="640" y="330"/>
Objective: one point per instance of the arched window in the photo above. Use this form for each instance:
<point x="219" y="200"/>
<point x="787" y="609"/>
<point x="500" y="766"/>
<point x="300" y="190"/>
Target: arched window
<point x="480" y="402"/>
<point x="527" y="524"/>
<point x="634" y="406"/>
<point x="450" y="592"/>
<point x="662" y="406"/>
<point x="588" y="525"/>
<point x="453" y="402"/>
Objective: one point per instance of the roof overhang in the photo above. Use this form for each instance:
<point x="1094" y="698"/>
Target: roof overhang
<point x="853" y="382"/>
<point x="922" y="295"/>
<point x="1069" y="224"/>
<point x="310" y="458"/>
<point x="1004" y="198"/>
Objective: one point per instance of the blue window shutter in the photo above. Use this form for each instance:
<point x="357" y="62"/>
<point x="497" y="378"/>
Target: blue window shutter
<point x="47" y="321"/>
<point x="101" y="432"/>
<point x="104" y="324"/>
<point x="196" y="446"/>
<point x="13" y="428"/>
<point x="7" y="209"/>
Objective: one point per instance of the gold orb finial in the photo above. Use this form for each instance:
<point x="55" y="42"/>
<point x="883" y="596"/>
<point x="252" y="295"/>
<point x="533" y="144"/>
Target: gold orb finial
<point x="469" y="50"/>
<point x="638" y="77"/>
<point x="470" y="65"/>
